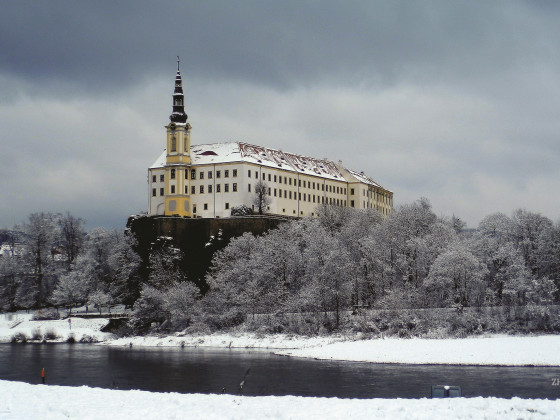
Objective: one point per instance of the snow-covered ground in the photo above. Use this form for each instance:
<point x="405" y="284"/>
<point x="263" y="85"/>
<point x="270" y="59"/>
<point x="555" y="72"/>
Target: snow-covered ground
<point x="495" y="350"/>
<point x="25" y="401"/>
<point x="78" y="328"/>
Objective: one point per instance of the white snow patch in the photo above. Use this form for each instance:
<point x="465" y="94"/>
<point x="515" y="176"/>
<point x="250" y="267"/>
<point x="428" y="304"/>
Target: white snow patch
<point x="78" y="328"/>
<point x="25" y="401"/>
<point x="496" y="350"/>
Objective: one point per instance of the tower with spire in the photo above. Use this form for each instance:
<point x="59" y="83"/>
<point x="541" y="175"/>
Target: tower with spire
<point x="178" y="158"/>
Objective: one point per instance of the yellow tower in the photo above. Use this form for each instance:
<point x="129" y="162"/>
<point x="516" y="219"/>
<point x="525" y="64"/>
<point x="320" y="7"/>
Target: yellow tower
<point x="178" y="160"/>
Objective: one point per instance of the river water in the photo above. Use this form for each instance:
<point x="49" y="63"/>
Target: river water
<point x="203" y="370"/>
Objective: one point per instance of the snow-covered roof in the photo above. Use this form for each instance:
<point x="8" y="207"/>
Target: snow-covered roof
<point x="160" y="161"/>
<point x="205" y="154"/>
<point x="361" y="177"/>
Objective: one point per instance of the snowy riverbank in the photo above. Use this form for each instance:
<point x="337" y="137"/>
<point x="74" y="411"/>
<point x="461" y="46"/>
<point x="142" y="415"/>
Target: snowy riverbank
<point x="24" y="401"/>
<point x="77" y="328"/>
<point x="491" y="350"/>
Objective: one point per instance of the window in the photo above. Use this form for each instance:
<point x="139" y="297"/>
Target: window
<point x="285" y="193"/>
<point x="269" y="178"/>
<point x="161" y="178"/>
<point x="201" y="175"/>
<point x="268" y="190"/>
<point x="154" y="178"/>
<point x="209" y="174"/>
<point x="285" y="180"/>
<point x="290" y="195"/>
<point x="186" y="174"/>
<point x="227" y="206"/>
<point x="280" y="192"/>
<point x="193" y="190"/>
<point x="290" y="181"/>
<point x="299" y="182"/>
<point x="226" y="173"/>
<point x="210" y="188"/>
<point x="202" y="189"/>
<point x="218" y="174"/>
<point x="173" y="189"/>
<point x="205" y="206"/>
<point x="249" y="174"/>
<point x="274" y="192"/>
<point x="234" y="187"/>
<point x="226" y="187"/>
<point x="299" y="196"/>
<point x="161" y="191"/>
<point x="173" y="144"/>
<point x="193" y="173"/>
<point x="274" y="178"/>
<point x="153" y="192"/>
<point x="234" y="173"/>
<point x="323" y="187"/>
<point x="194" y="208"/>
<point x="218" y="187"/>
<point x="249" y="187"/>
<point x="352" y="192"/>
<point x="172" y="173"/>
<point x="186" y="189"/>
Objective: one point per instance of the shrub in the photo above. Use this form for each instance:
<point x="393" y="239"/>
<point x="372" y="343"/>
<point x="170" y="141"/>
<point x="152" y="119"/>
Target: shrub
<point x="36" y="334"/>
<point x="19" y="338"/>
<point x="50" y="334"/>
<point x="71" y="339"/>
<point x="45" y="315"/>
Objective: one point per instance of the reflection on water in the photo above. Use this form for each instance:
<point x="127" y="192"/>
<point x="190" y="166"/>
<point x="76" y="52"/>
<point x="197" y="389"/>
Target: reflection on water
<point x="191" y="370"/>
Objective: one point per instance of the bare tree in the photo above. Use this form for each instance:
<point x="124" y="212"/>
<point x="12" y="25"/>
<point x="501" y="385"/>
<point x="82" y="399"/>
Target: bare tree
<point x="261" y="198"/>
<point x="39" y="236"/>
<point x="71" y="236"/>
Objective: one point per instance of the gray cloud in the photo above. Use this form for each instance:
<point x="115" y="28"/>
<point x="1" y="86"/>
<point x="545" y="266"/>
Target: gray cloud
<point x="456" y="101"/>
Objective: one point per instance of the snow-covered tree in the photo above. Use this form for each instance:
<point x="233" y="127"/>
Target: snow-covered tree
<point x="179" y="303"/>
<point x="456" y="277"/>
<point x="70" y="291"/>
<point x="99" y="299"/>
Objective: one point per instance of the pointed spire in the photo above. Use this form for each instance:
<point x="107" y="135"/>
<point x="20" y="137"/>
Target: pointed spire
<point x="178" y="115"/>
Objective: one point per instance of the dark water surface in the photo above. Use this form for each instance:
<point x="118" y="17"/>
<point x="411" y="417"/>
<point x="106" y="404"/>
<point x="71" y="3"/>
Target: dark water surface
<point x="195" y="370"/>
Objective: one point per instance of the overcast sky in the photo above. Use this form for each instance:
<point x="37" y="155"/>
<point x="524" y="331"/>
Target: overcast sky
<point x="456" y="101"/>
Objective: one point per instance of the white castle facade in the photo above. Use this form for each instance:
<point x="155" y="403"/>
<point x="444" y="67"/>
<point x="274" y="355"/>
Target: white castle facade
<point x="208" y="180"/>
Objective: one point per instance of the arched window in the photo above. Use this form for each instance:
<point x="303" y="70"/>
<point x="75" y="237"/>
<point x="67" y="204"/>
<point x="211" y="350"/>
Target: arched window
<point x="173" y="144"/>
<point x="172" y="173"/>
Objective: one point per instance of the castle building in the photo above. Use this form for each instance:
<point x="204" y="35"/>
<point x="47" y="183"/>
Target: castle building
<point x="208" y="180"/>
